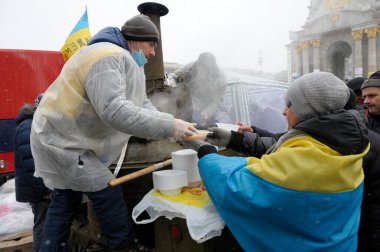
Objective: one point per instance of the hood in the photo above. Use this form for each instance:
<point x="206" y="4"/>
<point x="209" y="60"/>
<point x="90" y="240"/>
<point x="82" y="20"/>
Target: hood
<point x="343" y="131"/>
<point x="26" y="111"/>
<point x="111" y="35"/>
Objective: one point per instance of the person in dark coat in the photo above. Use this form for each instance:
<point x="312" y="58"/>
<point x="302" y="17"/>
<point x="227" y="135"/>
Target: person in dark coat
<point x="355" y="84"/>
<point x="29" y="188"/>
<point x="369" y="228"/>
<point x="255" y="141"/>
<point x="298" y="189"/>
<point x="371" y="95"/>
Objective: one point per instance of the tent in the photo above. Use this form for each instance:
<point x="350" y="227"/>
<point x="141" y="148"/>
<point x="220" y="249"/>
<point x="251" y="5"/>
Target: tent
<point x="254" y="101"/>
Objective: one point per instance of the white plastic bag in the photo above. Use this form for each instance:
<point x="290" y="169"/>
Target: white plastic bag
<point x="203" y="221"/>
<point x="14" y="216"/>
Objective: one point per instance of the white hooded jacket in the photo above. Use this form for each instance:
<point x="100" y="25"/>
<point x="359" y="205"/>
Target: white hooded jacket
<point x="89" y="112"/>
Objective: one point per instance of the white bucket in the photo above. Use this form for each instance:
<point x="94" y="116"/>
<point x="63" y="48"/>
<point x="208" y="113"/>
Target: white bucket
<point x="187" y="160"/>
<point x="169" y="182"/>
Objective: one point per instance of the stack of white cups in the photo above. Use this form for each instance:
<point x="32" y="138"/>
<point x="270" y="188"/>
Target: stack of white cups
<point x="184" y="173"/>
<point x="187" y="160"/>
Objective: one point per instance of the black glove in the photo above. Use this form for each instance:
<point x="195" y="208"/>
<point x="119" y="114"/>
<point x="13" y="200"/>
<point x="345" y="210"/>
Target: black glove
<point x="206" y="149"/>
<point x="219" y="137"/>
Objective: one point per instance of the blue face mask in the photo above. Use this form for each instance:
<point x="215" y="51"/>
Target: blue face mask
<point x="139" y="57"/>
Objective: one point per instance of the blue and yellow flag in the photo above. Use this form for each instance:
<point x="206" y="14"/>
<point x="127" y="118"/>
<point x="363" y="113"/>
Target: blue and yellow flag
<point x="305" y="194"/>
<point x="78" y="37"/>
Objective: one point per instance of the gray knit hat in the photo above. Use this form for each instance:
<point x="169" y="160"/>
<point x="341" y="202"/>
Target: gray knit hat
<point x="372" y="81"/>
<point x="140" y="28"/>
<point x="316" y="94"/>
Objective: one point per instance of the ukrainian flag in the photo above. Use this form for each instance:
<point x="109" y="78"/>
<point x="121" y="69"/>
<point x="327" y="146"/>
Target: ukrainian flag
<point x="78" y="37"/>
<point x="303" y="197"/>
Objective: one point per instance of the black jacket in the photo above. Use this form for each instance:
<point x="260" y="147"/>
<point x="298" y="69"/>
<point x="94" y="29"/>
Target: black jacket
<point x="264" y="133"/>
<point x="343" y="131"/>
<point x="250" y="144"/>
<point x="369" y="229"/>
<point x="326" y="130"/>
<point x="28" y="187"/>
<point x="346" y="138"/>
<point x="374" y="123"/>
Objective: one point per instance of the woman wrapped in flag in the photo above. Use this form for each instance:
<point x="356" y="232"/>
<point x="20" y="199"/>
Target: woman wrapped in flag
<point x="305" y="193"/>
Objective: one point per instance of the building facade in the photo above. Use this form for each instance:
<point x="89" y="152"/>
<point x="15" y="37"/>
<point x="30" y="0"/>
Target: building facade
<point x="339" y="36"/>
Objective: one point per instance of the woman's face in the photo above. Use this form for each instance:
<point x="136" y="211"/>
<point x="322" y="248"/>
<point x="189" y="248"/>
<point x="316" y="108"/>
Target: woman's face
<point x="291" y="117"/>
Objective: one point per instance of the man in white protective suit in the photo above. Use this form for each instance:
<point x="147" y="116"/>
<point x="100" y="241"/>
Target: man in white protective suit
<point x="85" y="119"/>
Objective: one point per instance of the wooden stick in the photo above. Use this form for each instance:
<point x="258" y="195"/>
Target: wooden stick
<point x="139" y="173"/>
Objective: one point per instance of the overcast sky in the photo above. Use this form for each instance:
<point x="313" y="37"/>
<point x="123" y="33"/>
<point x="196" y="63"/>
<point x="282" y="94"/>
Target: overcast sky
<point x="236" y="31"/>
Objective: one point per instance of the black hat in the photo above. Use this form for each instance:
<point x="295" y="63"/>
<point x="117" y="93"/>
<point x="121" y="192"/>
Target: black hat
<point x="372" y="81"/>
<point x="140" y="28"/>
<point x="355" y="84"/>
<point x="351" y="103"/>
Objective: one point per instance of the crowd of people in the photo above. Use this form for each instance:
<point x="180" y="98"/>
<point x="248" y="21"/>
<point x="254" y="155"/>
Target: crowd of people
<point x="315" y="187"/>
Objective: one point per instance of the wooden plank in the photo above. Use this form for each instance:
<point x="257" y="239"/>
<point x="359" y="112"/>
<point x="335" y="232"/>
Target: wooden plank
<point x="23" y="244"/>
<point x="17" y="235"/>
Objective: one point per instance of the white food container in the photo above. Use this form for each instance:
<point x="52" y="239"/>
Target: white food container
<point x="187" y="160"/>
<point x="169" y="182"/>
